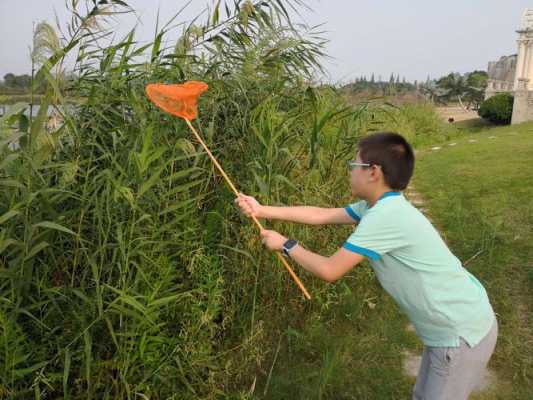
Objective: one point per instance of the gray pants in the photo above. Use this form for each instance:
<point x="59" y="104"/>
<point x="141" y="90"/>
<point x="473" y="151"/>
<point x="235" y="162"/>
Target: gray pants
<point x="451" y="373"/>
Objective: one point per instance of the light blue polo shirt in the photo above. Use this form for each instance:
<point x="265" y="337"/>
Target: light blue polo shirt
<point x="414" y="265"/>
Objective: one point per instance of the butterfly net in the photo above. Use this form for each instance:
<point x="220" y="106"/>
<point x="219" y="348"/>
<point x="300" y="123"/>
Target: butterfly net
<point x="179" y="100"/>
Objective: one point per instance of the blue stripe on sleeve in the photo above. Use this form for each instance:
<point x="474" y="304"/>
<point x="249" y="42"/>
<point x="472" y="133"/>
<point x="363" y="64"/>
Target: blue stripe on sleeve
<point x="361" y="250"/>
<point x="352" y="213"/>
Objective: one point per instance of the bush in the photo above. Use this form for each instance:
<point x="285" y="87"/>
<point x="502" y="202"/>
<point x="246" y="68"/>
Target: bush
<point x="498" y="109"/>
<point x="419" y="123"/>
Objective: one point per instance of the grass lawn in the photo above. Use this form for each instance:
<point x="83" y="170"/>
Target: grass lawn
<point x="479" y="194"/>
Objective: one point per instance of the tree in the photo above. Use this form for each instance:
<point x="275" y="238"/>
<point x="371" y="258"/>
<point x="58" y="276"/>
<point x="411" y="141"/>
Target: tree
<point x="454" y="86"/>
<point x="477" y="83"/>
<point x="477" y="79"/>
<point x="17" y="81"/>
<point x="432" y="92"/>
<point x="23" y="81"/>
<point x="9" y="79"/>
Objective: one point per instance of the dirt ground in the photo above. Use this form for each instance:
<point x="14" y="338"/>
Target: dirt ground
<point x="457" y="113"/>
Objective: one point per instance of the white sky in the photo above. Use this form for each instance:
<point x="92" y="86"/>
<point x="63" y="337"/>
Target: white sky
<point x="413" y="38"/>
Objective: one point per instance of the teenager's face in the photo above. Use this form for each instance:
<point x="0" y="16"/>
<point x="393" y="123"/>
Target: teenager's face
<point x="359" y="179"/>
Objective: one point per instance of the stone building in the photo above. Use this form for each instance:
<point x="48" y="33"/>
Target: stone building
<point x="514" y="74"/>
<point x="501" y="75"/>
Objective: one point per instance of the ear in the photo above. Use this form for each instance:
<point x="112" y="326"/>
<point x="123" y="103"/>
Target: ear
<point x="376" y="174"/>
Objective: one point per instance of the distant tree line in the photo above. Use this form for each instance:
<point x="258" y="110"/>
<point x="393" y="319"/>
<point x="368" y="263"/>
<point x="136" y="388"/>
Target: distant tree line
<point x="17" y="81"/>
<point x="466" y="89"/>
<point x="17" y="84"/>
<point x="379" y="87"/>
<point x="21" y="84"/>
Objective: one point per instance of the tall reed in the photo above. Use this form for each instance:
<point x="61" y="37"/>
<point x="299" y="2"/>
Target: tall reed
<point x="126" y="270"/>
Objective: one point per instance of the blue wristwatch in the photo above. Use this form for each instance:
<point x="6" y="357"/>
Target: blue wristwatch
<point x="288" y="246"/>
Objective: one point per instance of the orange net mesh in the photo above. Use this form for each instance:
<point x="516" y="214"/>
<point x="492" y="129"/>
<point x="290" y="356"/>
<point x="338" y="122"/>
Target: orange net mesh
<point x="180" y="100"/>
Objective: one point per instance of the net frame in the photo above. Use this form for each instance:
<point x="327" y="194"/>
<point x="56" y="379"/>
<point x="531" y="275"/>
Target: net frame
<point x="180" y="100"/>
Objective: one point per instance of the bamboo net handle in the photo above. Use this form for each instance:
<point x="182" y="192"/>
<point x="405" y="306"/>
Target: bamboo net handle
<point x="234" y="189"/>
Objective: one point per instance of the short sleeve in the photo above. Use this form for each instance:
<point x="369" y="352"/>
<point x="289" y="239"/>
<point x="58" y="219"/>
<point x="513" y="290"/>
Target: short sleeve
<point x="356" y="210"/>
<point x="376" y="234"/>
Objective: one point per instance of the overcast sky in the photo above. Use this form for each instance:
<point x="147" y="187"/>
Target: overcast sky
<point x="413" y="38"/>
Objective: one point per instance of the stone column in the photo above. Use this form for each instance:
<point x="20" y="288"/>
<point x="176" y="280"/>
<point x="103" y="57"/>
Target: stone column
<point x="519" y="63"/>
<point x="520" y="104"/>
<point x="527" y="56"/>
<point x="529" y="66"/>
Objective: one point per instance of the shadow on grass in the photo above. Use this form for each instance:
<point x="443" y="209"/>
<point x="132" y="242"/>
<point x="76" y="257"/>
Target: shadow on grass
<point x="474" y="125"/>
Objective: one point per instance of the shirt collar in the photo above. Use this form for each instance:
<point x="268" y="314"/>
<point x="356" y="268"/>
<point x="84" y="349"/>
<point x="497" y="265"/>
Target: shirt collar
<point x="389" y="194"/>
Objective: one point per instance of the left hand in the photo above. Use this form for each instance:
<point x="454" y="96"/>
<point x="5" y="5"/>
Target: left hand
<point x="272" y="240"/>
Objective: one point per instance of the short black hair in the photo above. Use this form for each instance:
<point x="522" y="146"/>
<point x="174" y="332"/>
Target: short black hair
<point x="393" y="153"/>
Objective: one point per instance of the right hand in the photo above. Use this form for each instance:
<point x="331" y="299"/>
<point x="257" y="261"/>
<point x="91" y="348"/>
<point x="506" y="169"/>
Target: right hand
<point x="248" y="205"/>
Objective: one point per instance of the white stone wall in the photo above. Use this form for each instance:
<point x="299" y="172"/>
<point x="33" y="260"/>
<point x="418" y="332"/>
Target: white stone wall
<point x="514" y="74"/>
<point x="494" y="87"/>
<point x="504" y="69"/>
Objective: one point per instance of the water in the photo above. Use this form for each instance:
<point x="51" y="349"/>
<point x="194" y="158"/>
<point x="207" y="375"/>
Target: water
<point x="5" y="107"/>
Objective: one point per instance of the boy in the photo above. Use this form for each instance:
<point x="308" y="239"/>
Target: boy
<point x="447" y="305"/>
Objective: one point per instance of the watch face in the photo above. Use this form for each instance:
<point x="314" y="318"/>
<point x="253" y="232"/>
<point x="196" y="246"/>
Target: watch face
<point x="289" y="244"/>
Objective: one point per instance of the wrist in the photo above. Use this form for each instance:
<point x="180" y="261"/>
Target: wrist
<point x="288" y="246"/>
<point x="261" y="212"/>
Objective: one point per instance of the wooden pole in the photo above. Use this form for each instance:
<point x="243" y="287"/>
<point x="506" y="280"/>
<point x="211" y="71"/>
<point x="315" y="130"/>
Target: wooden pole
<point x="234" y="189"/>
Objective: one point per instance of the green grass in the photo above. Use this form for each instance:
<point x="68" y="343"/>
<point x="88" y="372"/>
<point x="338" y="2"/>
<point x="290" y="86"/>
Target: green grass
<point x="480" y="194"/>
<point x="479" y="198"/>
<point x="349" y="349"/>
<point x="473" y="125"/>
<point x="20" y="98"/>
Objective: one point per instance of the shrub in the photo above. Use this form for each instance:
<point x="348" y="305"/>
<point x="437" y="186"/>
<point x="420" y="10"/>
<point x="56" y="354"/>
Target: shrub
<point x="497" y="109"/>
<point x="419" y="123"/>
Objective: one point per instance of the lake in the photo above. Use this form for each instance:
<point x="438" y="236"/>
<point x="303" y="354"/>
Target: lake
<point x="5" y="107"/>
